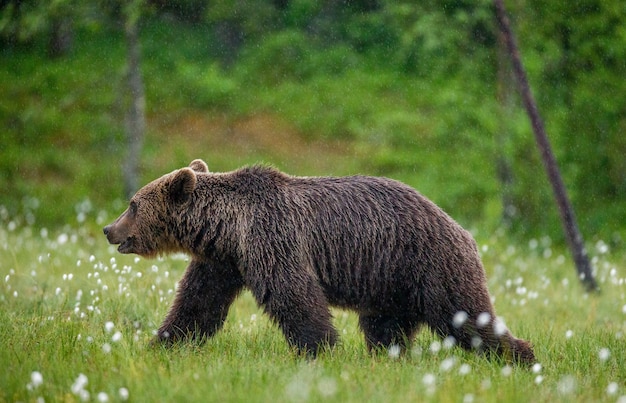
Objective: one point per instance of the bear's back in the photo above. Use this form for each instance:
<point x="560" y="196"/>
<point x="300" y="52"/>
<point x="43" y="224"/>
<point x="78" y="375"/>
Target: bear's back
<point x="355" y="203"/>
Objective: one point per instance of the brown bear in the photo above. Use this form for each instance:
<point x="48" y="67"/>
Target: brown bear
<point x="302" y="244"/>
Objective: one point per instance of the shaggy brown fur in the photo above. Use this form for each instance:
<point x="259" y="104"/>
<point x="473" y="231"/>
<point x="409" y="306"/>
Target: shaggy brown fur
<point x="300" y="244"/>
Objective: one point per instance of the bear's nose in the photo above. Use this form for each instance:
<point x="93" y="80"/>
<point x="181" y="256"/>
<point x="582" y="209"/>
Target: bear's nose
<point x="106" y="230"/>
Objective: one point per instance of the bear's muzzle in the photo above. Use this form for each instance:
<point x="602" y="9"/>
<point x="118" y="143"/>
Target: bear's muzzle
<point x="115" y="238"/>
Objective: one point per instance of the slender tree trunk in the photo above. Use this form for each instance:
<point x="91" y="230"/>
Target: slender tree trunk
<point x="61" y="36"/>
<point x="574" y="238"/>
<point x="503" y="164"/>
<point x="230" y="40"/>
<point x="135" y="118"/>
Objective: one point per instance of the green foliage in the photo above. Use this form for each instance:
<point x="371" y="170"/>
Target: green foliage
<point x="205" y="87"/>
<point x="54" y="123"/>
<point x="23" y="21"/>
<point x="300" y="13"/>
<point x="185" y="10"/>
<point x="575" y="50"/>
<point x="282" y="57"/>
<point x="409" y="89"/>
<point x="253" y="18"/>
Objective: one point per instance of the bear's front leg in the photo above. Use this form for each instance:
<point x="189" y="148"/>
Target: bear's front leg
<point x="204" y="295"/>
<point x="303" y="316"/>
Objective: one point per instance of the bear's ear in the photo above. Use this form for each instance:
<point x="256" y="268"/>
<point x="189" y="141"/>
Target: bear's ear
<point x="199" y="166"/>
<point x="182" y="185"/>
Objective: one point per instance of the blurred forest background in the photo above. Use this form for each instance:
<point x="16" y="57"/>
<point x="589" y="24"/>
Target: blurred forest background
<point x="418" y="91"/>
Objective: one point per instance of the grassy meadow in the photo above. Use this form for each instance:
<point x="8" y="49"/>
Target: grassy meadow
<point x="76" y="318"/>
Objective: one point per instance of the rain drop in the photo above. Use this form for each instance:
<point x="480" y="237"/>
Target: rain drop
<point x="483" y="319"/>
<point x="435" y="347"/>
<point x="36" y="379"/>
<point x="465" y="369"/>
<point x="429" y="380"/>
<point x="499" y="327"/>
<point x="604" y="354"/>
<point x="327" y="387"/>
<point x="459" y="319"/>
<point x="449" y="342"/>
<point x="116" y="337"/>
<point x="567" y="385"/>
<point x="394" y="351"/>
<point x="447" y="364"/>
<point x="62" y="239"/>
<point x="79" y="384"/>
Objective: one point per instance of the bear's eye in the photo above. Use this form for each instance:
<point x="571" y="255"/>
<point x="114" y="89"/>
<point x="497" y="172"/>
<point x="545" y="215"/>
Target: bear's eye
<point x="133" y="208"/>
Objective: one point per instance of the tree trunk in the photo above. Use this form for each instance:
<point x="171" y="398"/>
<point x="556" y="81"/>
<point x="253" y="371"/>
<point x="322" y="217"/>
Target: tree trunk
<point x="504" y="171"/>
<point x="135" y="118"/>
<point x="230" y="39"/>
<point x="572" y="233"/>
<point x="61" y="37"/>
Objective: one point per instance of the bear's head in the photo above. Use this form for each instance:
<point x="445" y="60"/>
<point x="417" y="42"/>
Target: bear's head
<point x="146" y="228"/>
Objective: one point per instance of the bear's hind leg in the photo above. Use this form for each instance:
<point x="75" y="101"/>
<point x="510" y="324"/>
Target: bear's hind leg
<point x="485" y="333"/>
<point x="496" y="338"/>
<point x="204" y="295"/>
<point x="384" y="331"/>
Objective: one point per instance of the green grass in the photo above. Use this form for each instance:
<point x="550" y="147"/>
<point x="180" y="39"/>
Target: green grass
<point x="60" y="289"/>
